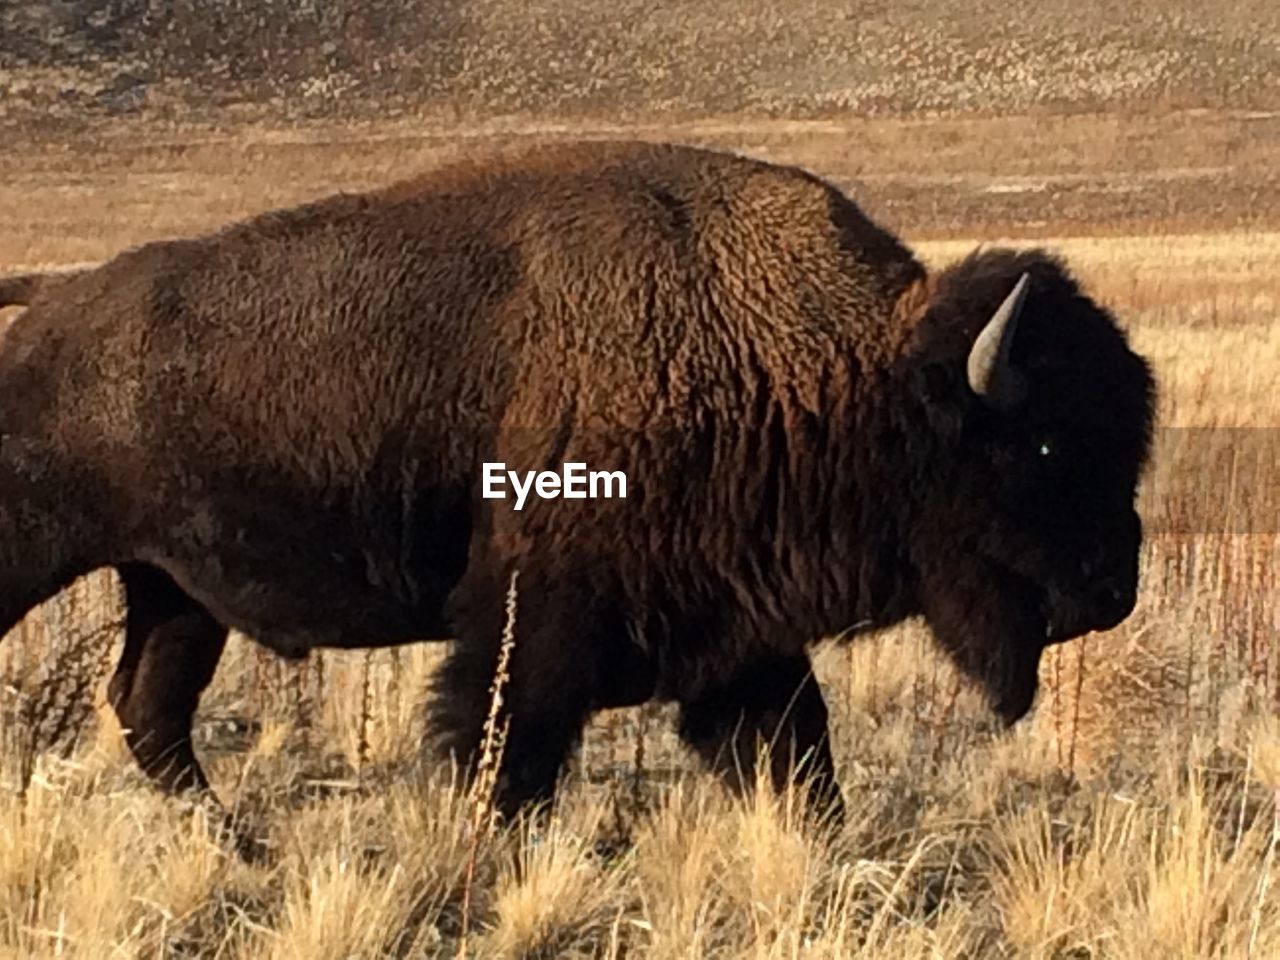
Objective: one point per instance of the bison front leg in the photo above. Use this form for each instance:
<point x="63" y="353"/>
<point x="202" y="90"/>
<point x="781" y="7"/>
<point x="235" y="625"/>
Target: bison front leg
<point x="541" y="712"/>
<point x="546" y="691"/>
<point x="772" y="710"/>
<point x="171" y="650"/>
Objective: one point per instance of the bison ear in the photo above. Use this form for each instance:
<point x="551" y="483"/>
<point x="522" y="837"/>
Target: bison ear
<point x="934" y="383"/>
<point x="991" y="376"/>
<point x="941" y="394"/>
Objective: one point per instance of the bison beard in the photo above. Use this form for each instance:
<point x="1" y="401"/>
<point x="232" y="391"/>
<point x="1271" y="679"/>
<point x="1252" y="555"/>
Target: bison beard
<point x="281" y="428"/>
<point x="990" y="624"/>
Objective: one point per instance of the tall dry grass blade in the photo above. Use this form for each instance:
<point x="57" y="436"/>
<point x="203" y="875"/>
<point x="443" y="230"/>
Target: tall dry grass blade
<point x="492" y="745"/>
<point x="366" y="713"/>
<point x="1081" y="650"/>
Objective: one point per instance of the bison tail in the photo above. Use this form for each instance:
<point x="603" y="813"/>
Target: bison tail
<point x="20" y="289"/>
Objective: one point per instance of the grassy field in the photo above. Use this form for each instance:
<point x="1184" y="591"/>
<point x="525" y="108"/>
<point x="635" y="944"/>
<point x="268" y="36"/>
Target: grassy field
<point x="1133" y="815"/>
<point x="68" y="199"/>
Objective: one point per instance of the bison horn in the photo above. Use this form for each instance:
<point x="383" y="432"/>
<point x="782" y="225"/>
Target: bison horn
<point x="991" y="376"/>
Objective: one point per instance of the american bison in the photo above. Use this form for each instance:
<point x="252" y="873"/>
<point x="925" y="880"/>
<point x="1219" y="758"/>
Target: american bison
<point x="282" y="427"/>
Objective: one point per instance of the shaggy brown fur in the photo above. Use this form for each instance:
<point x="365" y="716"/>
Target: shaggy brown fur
<point x="280" y="428"/>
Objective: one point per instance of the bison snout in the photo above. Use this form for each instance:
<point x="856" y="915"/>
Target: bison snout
<point x="1111" y="601"/>
<point x="1100" y="604"/>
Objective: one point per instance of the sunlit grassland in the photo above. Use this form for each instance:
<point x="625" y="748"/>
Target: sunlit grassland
<point x="1132" y="815"/>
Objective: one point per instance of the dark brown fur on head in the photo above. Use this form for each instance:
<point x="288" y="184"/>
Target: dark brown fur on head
<point x="1029" y="535"/>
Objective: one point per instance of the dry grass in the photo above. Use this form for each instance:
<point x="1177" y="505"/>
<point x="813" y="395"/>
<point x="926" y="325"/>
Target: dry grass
<point x="1132" y="816"/>
<point x="1087" y="175"/>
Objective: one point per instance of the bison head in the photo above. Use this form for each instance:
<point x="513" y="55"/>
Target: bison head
<point x="1027" y="534"/>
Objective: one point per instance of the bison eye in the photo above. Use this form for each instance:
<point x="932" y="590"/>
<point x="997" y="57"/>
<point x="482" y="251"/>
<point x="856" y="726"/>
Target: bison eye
<point x="1047" y="446"/>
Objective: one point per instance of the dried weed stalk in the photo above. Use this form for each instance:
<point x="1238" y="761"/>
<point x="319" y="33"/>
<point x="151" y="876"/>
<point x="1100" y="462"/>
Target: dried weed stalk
<point x="492" y="744"/>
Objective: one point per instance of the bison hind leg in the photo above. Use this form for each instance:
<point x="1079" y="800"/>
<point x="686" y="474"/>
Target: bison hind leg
<point x="172" y="646"/>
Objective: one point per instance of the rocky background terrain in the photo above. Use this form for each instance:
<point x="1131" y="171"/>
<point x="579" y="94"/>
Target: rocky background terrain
<point x="71" y="61"/>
